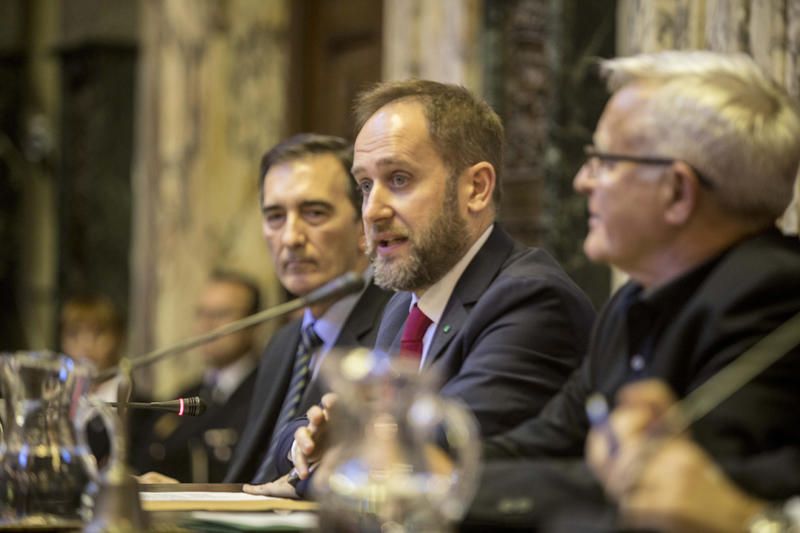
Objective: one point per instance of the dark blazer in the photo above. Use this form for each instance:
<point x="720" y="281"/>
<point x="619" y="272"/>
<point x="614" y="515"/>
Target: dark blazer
<point x="167" y="442"/>
<point x="274" y="374"/>
<point x="513" y="330"/>
<point x="708" y="318"/>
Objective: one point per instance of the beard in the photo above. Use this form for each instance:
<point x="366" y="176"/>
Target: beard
<point x="433" y="250"/>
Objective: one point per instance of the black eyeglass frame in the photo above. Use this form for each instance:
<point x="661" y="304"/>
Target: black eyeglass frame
<point x="591" y="152"/>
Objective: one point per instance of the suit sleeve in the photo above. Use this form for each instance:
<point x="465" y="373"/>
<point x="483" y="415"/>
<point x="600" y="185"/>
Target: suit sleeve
<point x="285" y="439"/>
<point x="558" y="431"/>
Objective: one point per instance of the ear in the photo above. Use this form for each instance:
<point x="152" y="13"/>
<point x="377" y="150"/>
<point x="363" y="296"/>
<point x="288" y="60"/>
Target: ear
<point x="479" y="181"/>
<point x="682" y="194"/>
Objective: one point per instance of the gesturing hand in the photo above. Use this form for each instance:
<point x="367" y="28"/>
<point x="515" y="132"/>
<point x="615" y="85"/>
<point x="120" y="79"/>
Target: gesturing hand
<point x="311" y="440"/>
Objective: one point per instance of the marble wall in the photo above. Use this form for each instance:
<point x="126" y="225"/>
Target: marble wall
<point x="769" y="30"/>
<point x="211" y="100"/>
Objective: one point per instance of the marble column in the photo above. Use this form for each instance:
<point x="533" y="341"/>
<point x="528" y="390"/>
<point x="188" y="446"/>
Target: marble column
<point x="212" y="87"/>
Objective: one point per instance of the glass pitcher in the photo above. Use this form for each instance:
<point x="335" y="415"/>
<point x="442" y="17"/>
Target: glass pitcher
<point x="402" y="458"/>
<point x="43" y="469"/>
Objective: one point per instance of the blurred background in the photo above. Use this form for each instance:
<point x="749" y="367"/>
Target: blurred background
<point x="131" y="130"/>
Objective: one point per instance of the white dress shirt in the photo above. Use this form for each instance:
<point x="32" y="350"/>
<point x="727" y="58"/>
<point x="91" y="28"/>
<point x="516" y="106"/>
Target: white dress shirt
<point x="434" y="301"/>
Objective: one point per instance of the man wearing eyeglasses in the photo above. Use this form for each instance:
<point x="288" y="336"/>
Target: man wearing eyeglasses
<point x="694" y="158"/>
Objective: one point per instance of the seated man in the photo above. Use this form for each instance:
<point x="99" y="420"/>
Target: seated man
<point x="198" y="449"/>
<point x="695" y="157"/>
<point x="312" y="226"/>
<point x="501" y="323"/>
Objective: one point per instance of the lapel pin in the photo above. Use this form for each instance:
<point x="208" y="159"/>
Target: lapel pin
<point x="446" y="328"/>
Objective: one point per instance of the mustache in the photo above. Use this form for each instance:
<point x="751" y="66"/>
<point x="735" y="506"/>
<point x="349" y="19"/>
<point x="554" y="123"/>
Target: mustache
<point x="291" y="257"/>
<point x="374" y="231"/>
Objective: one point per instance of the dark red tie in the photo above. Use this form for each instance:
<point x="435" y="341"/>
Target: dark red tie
<point x="413" y="332"/>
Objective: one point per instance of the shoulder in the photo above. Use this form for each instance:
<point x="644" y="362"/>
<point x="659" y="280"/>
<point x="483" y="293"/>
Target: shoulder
<point x="286" y="335"/>
<point x="763" y="269"/>
<point x="530" y="270"/>
<point x="374" y="298"/>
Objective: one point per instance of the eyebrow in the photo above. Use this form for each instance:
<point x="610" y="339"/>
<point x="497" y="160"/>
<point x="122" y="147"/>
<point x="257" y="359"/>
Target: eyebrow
<point x="382" y="162"/>
<point x="303" y="205"/>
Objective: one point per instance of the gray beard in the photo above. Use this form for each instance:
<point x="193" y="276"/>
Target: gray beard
<point x="433" y="252"/>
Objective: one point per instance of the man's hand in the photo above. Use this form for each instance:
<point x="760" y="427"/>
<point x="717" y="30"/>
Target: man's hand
<point x="681" y="489"/>
<point x="663" y="482"/>
<point x="311" y="441"/>
<point x="632" y="426"/>
<point x="280" y="488"/>
<point x="155" y="477"/>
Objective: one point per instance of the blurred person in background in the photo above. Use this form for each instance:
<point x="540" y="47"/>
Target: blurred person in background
<point x="92" y="329"/>
<point x="198" y="449"/>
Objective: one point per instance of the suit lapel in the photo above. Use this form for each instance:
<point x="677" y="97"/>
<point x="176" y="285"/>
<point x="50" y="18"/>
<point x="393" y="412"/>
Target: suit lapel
<point x="364" y="317"/>
<point x="268" y="395"/>
<point x="392" y="324"/>
<point x="361" y="322"/>
<point x="480" y="273"/>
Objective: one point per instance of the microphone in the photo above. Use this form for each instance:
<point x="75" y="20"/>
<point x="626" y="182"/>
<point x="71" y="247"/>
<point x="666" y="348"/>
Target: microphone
<point x="192" y="406"/>
<point x="336" y="288"/>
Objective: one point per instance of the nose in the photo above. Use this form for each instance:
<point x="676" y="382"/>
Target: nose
<point x="294" y="231"/>
<point x="582" y="183"/>
<point x="376" y="205"/>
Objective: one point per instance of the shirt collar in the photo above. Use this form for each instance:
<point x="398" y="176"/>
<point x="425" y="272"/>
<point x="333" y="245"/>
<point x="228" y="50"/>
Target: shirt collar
<point x="330" y="324"/>
<point x="434" y="301"/>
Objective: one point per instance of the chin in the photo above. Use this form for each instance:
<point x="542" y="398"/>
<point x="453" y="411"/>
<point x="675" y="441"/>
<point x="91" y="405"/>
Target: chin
<point x="595" y="251"/>
<point x="303" y="284"/>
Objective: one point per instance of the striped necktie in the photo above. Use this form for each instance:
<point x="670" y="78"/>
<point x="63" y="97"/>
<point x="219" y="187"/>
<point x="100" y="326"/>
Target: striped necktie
<point x="309" y="342"/>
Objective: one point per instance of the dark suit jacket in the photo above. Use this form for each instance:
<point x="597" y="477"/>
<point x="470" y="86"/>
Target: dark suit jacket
<point x="685" y="332"/>
<point x="274" y="374"/>
<point x="513" y="330"/>
<point x="166" y="442"/>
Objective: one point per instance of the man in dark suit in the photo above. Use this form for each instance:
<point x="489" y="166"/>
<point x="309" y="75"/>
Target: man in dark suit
<point x="501" y="324"/>
<point x="312" y="225"/>
<point x="695" y="157"/>
<point x="197" y="449"/>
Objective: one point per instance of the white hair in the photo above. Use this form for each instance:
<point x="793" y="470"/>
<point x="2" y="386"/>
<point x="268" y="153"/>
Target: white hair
<point x="721" y="114"/>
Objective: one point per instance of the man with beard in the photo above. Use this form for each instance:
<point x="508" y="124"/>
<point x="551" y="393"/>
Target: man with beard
<point x="501" y="324"/>
<point x="312" y="226"/>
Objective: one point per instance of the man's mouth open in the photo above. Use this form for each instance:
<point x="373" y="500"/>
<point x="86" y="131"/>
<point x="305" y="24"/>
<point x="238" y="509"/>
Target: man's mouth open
<point x="390" y="245"/>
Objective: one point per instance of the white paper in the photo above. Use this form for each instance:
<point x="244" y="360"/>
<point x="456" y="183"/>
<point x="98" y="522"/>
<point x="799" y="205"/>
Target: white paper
<point x="192" y="496"/>
<point x="301" y="520"/>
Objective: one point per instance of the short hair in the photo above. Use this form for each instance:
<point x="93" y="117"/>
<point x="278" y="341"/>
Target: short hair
<point x="94" y="308"/>
<point x="464" y="128"/>
<point x="234" y="277"/>
<point x="309" y="144"/>
<point x="721" y="114"/>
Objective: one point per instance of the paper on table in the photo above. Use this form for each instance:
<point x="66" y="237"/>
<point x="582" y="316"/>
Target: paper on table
<point x="218" y="501"/>
<point x="258" y="521"/>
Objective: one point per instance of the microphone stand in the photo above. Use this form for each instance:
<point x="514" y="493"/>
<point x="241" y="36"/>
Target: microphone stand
<point x="117" y="507"/>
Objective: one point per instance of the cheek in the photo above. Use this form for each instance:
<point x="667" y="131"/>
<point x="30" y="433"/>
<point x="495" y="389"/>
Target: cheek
<point x="273" y="241"/>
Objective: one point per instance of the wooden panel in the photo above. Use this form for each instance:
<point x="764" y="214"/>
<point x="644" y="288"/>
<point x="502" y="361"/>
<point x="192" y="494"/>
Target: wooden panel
<point x="336" y="52"/>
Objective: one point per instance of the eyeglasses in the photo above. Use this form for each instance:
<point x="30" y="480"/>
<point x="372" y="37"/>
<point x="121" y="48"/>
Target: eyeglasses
<point x="594" y="157"/>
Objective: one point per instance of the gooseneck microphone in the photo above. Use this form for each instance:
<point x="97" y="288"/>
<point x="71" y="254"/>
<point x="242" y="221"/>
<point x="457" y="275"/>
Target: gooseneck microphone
<point x="343" y="285"/>
<point x="192" y="406"/>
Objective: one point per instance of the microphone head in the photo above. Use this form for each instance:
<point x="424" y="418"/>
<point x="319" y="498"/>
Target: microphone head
<point x="345" y="284"/>
<point x="193" y="406"/>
